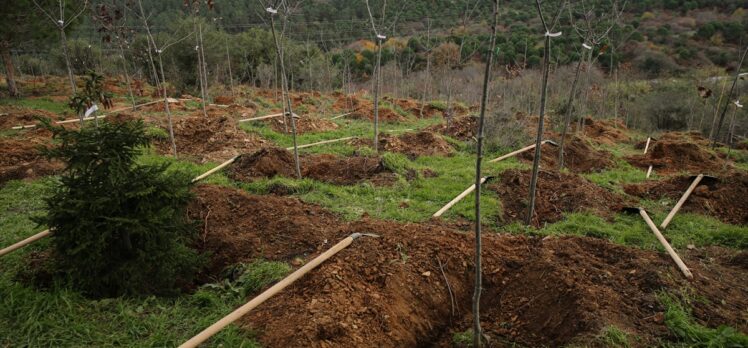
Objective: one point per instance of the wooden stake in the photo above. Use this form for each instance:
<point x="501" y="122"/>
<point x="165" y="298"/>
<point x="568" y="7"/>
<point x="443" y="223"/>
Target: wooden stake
<point x="682" y="200"/>
<point x="25" y="242"/>
<point x="458" y="198"/>
<point x="246" y="308"/>
<point x="515" y="153"/>
<point x="665" y="244"/>
<point x="260" y="118"/>
<point x="646" y="147"/>
<point x="649" y="171"/>
<point x="210" y="172"/>
<point x="320" y="143"/>
<point x="339" y="116"/>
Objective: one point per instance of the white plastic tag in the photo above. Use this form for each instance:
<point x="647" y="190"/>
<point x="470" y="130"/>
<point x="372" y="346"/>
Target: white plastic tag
<point x="737" y="103"/>
<point x="381" y="37"/>
<point x="91" y="110"/>
<point x="271" y="11"/>
<point x="586" y="46"/>
<point x="553" y="34"/>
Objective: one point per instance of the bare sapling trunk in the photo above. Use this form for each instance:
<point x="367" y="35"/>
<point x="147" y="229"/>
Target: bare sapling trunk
<point x="286" y="96"/>
<point x="166" y="106"/>
<point x="151" y="45"/>
<point x="9" y="70"/>
<point x="541" y="118"/>
<point x="228" y="61"/>
<point x="205" y="65"/>
<point x="428" y="67"/>
<point x="567" y="116"/>
<point x="729" y="97"/>
<point x="377" y="87"/>
<point x="716" y="110"/>
<point x="200" y="67"/>
<point x="65" y="54"/>
<point x="583" y="108"/>
<point x="127" y="76"/>
<point x="477" y="334"/>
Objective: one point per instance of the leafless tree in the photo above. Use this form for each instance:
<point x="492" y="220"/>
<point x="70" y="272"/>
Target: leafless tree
<point x="378" y="70"/>
<point x="729" y="98"/>
<point x="61" y="23"/>
<point x="112" y="19"/>
<point x="543" y="94"/>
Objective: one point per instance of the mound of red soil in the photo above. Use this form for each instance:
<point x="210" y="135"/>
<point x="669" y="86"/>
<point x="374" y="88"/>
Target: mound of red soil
<point x="15" y="116"/>
<point x="413" y="285"/>
<point x="462" y="128"/>
<point x="724" y="199"/>
<point x="210" y="139"/>
<point x="361" y="108"/>
<point x="605" y="131"/>
<point x="20" y="157"/>
<point x="414" y="107"/>
<point x="687" y="137"/>
<point x="423" y="143"/>
<point x="224" y="99"/>
<point x="579" y="156"/>
<point x="557" y="193"/>
<point x="303" y="125"/>
<point x="668" y="157"/>
<point x="270" y="162"/>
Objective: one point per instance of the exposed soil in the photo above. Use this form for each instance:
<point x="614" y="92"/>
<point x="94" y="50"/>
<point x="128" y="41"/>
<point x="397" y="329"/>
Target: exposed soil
<point x="210" y="139"/>
<point x="423" y="143"/>
<point x="361" y="108"/>
<point x="20" y="157"/>
<point x="724" y="199"/>
<point x="557" y="193"/>
<point x="579" y="156"/>
<point x="270" y="162"/>
<point x="462" y="128"/>
<point x="668" y="157"/>
<point x="303" y="125"/>
<point x="414" y="107"/>
<point x="392" y="291"/>
<point x="605" y="131"/>
<point x="688" y="137"/>
<point x="16" y="116"/>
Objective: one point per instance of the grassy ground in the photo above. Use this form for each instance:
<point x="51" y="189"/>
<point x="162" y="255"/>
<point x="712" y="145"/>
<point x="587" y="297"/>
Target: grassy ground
<point x="60" y="317"/>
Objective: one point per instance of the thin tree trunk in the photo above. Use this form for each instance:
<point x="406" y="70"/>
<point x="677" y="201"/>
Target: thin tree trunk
<point x="200" y="67"/>
<point x="166" y="106"/>
<point x="716" y="110"/>
<point x="567" y="117"/>
<point x="151" y="45"/>
<point x="205" y="65"/>
<point x="428" y="67"/>
<point x="729" y="97"/>
<point x="377" y="87"/>
<point x="287" y="97"/>
<point x="583" y="109"/>
<point x="64" y="43"/>
<point x="228" y="60"/>
<point x="127" y="76"/>
<point x="478" y="159"/>
<point x="9" y="70"/>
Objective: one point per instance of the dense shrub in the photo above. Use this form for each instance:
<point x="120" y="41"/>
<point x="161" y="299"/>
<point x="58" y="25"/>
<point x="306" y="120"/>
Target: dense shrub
<point x="119" y="227"/>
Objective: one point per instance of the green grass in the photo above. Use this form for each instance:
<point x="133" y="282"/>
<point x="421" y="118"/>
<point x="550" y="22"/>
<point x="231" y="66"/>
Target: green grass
<point x="463" y="339"/>
<point x="686" y="229"/>
<point x="38" y="103"/>
<point x="611" y="336"/>
<point x="680" y="322"/>
<point x="620" y="174"/>
<point x="60" y="317"/>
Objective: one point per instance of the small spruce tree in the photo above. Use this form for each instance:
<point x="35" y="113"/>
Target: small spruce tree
<point x="120" y="228"/>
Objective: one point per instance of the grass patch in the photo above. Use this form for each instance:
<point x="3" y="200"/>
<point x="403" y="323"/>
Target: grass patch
<point x="679" y="320"/>
<point x="686" y="229"/>
<point x="463" y="339"/>
<point x="611" y="336"/>
<point x="614" y="178"/>
<point x="250" y="278"/>
<point x="38" y="103"/>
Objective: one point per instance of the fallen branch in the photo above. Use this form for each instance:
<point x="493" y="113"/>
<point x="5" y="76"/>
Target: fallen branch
<point x="246" y="308"/>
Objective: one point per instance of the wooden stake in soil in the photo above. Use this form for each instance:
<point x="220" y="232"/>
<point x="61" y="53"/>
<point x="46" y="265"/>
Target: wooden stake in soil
<point x="25" y="242"/>
<point x="260" y="118"/>
<point x="646" y="147"/>
<point x="459" y="197"/>
<point x="649" y="171"/>
<point x="515" y="153"/>
<point x="665" y="244"/>
<point x="682" y="200"/>
<point x="241" y="311"/>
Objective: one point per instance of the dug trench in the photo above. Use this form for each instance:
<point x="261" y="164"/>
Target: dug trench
<point x="413" y="285"/>
<point x="269" y="162"/>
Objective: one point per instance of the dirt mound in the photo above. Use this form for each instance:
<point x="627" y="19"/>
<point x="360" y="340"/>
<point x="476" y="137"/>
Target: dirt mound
<point x="579" y="156"/>
<point x="224" y="100"/>
<point x="724" y="199"/>
<point x="270" y="162"/>
<point x="605" y="131"/>
<point x="557" y="193"/>
<point x="20" y="157"/>
<point x="210" y="139"/>
<point x="361" y="108"/>
<point x="15" y="116"/>
<point x="303" y="125"/>
<point x="462" y="128"/>
<point x="667" y="157"/>
<point x="687" y="137"/>
<point x="423" y="143"/>
<point x="414" y="107"/>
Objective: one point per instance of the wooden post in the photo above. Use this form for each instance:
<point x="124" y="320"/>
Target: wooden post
<point x="515" y="153"/>
<point x="458" y="198"/>
<point x="25" y="242"/>
<point x="246" y="308"/>
<point x="646" y="147"/>
<point x="665" y="244"/>
<point x="682" y="200"/>
<point x="320" y="143"/>
<point x="210" y="172"/>
<point x="649" y="171"/>
<point x="260" y="118"/>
